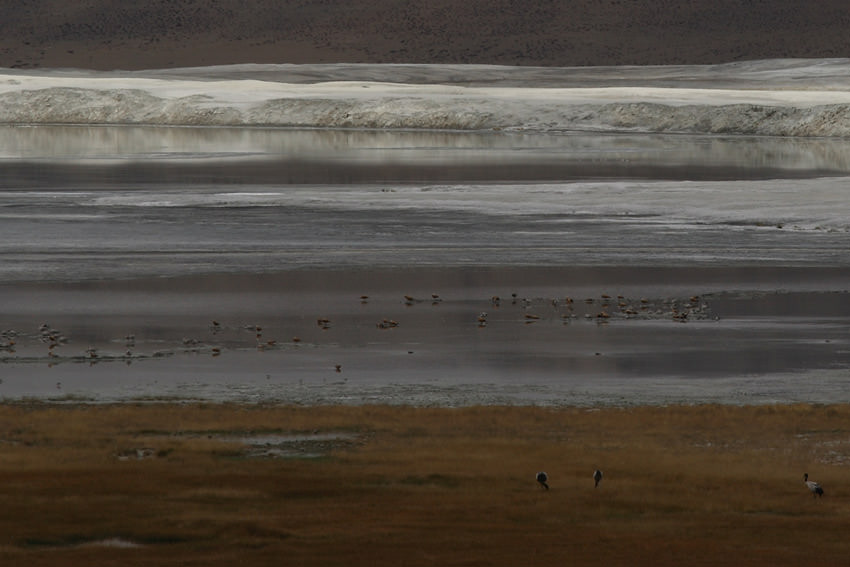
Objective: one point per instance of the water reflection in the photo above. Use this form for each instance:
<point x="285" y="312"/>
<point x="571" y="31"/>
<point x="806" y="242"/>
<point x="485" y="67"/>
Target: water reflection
<point x="537" y="156"/>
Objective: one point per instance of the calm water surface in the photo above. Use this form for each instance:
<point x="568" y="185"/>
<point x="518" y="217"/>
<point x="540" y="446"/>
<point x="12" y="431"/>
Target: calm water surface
<point x="153" y="233"/>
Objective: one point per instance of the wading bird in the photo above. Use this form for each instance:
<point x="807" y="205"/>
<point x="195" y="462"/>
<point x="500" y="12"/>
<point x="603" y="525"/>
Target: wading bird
<point x="814" y="487"/>
<point x="542" y="477"/>
<point x="597" y="476"/>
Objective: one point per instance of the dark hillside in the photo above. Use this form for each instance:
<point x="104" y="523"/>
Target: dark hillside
<point x="107" y="34"/>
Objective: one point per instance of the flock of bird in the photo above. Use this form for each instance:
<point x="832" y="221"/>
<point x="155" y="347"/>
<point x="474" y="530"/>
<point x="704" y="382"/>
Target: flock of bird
<point x="607" y="307"/>
<point x="600" y="309"/>
<point x="543" y="479"/>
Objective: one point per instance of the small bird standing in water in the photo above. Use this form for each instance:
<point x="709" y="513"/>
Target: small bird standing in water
<point x="542" y="477"/>
<point x="597" y="476"/>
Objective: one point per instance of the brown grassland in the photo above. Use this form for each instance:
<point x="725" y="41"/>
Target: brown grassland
<point x="702" y="485"/>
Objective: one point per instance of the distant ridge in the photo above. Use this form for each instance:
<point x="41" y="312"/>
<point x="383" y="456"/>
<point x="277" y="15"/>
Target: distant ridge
<point x="148" y="34"/>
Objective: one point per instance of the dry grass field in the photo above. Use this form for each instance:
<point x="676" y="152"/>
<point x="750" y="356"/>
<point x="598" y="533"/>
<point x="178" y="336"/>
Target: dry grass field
<point x="179" y="484"/>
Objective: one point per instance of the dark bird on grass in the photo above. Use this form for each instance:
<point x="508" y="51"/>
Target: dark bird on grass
<point x="597" y="476"/>
<point x="813" y="487"/>
<point x="542" y="478"/>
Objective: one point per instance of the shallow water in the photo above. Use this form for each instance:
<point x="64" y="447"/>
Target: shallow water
<point x="82" y="203"/>
<point x="153" y="233"/>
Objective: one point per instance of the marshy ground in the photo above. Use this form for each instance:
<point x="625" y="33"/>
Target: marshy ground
<point x="211" y="484"/>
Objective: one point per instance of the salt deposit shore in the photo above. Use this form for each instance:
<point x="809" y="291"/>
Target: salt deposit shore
<point x="773" y="98"/>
